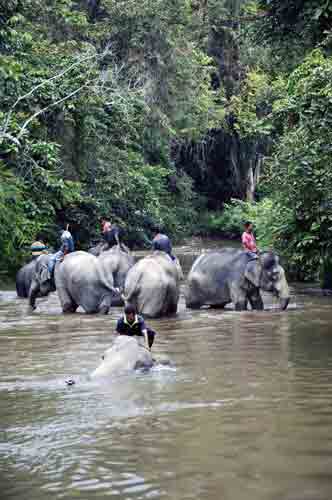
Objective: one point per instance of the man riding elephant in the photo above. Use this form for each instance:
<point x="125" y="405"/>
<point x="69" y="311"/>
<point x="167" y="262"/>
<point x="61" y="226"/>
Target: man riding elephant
<point x="163" y="243"/>
<point x="67" y="246"/>
<point x="249" y="241"/>
<point x="111" y="234"/>
<point x="231" y="275"/>
<point x="80" y="280"/>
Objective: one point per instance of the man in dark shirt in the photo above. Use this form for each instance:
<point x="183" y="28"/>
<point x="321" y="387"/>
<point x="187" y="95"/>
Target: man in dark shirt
<point x="132" y="324"/>
<point x="67" y="246"/>
<point x="111" y="233"/>
<point x="162" y="243"/>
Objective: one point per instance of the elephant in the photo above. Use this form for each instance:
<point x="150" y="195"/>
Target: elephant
<point x="119" y="262"/>
<point x="24" y="278"/>
<point x="125" y="354"/>
<point x="80" y="280"/>
<point x="152" y="285"/>
<point x="232" y="275"/>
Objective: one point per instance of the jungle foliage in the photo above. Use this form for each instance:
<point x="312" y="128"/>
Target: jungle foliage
<point x="162" y="112"/>
<point x="92" y="93"/>
<point x="288" y="99"/>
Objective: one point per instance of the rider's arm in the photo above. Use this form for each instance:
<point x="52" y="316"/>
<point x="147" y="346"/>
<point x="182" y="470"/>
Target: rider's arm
<point x="145" y="333"/>
<point x="146" y="339"/>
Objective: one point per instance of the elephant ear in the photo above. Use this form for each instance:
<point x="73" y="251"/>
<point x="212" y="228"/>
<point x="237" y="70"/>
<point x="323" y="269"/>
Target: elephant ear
<point x="43" y="274"/>
<point x="253" y="272"/>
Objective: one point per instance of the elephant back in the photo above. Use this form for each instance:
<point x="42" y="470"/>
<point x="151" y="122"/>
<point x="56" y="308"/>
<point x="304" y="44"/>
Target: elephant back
<point x="125" y="354"/>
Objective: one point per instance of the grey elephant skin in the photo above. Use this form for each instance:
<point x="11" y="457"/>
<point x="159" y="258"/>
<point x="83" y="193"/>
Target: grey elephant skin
<point x="24" y="278"/>
<point x="125" y="354"/>
<point x="119" y="262"/>
<point x="99" y="248"/>
<point x="102" y="247"/>
<point x="219" y="278"/>
<point x="80" y="280"/>
<point x="152" y="285"/>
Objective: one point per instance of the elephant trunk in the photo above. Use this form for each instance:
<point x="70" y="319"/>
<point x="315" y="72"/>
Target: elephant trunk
<point x="283" y="290"/>
<point x="33" y="294"/>
<point x="284" y="303"/>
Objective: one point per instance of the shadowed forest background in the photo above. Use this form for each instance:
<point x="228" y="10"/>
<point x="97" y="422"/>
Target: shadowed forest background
<point x="191" y="114"/>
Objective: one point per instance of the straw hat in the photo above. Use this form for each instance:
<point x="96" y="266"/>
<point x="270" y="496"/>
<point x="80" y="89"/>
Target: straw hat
<point x="38" y="248"/>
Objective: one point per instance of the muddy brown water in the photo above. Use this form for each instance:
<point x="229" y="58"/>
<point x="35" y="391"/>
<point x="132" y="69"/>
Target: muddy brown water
<point x="245" y="413"/>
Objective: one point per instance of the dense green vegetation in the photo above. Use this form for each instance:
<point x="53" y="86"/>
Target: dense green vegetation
<point x="163" y="112"/>
<point x="287" y="97"/>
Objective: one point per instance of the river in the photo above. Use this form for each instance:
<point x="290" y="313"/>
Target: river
<point x="244" y="412"/>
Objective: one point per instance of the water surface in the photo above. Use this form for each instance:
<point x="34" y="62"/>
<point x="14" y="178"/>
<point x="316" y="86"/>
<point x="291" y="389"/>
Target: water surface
<point x="245" y="413"/>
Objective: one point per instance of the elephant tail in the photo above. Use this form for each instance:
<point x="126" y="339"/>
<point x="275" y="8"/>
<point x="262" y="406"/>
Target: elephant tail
<point x="108" y="283"/>
<point x="131" y="285"/>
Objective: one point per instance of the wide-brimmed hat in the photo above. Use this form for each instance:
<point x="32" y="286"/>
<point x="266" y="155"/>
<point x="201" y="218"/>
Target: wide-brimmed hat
<point x="38" y="248"/>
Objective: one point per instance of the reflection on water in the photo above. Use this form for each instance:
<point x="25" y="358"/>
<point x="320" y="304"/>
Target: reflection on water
<point x="246" y="413"/>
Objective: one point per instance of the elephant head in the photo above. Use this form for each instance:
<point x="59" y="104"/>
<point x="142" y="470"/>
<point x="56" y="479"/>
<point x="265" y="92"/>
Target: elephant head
<point x="41" y="284"/>
<point x="266" y="273"/>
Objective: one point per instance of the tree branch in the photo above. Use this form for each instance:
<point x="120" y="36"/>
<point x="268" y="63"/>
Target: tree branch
<point x="4" y="134"/>
<point x="29" y="120"/>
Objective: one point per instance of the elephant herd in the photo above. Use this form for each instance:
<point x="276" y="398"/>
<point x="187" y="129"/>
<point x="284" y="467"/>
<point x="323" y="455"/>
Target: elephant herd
<point x="152" y="284"/>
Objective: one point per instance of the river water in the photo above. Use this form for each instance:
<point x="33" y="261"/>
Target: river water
<point x="244" y="413"/>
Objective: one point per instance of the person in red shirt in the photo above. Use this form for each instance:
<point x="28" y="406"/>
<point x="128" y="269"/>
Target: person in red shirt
<point x="248" y="240"/>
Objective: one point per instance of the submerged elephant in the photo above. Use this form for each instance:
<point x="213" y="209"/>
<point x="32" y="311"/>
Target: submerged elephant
<point x="231" y="275"/>
<point x="24" y="279"/>
<point x="80" y="280"/>
<point x="125" y="354"/>
<point x="152" y="285"/>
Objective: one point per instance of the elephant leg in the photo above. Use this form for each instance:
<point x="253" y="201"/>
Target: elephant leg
<point x="256" y="301"/>
<point x="172" y="297"/>
<point x="241" y="305"/>
<point x="67" y="303"/>
<point x="33" y="293"/>
<point x="173" y="309"/>
<point x="194" y="293"/>
<point x="219" y="306"/>
<point x="239" y="298"/>
<point x="117" y="300"/>
<point x="69" y="308"/>
<point x="105" y="304"/>
<point x="193" y="305"/>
